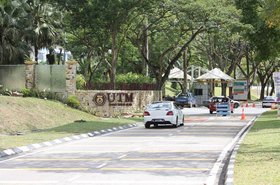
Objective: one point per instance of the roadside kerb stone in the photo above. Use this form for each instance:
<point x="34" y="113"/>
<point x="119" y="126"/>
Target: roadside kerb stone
<point x="21" y="149"/>
<point x="219" y="170"/>
<point x="230" y="168"/>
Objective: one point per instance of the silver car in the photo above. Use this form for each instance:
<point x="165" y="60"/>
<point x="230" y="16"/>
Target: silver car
<point x="268" y="101"/>
<point x="163" y="113"/>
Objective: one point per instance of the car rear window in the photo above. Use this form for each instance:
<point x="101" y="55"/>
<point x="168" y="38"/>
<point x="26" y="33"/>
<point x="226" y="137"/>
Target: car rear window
<point x="160" y="106"/>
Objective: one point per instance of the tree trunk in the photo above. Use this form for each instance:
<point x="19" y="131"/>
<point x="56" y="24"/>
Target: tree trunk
<point x="185" y="67"/>
<point x="272" y="88"/>
<point x="145" y="47"/>
<point x="114" y="60"/>
<point x="224" y="88"/>
<point x="262" y="90"/>
<point x="36" y="51"/>
<point x="248" y="74"/>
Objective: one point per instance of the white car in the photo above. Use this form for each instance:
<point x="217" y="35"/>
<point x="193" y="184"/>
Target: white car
<point x="163" y="113"/>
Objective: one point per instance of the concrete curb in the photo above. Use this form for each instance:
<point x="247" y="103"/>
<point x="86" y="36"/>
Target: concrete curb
<point x="230" y="167"/>
<point x="21" y="149"/>
<point x="218" y="174"/>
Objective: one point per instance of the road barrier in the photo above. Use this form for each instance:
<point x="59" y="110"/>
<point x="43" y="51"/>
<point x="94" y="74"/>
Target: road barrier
<point x="223" y="108"/>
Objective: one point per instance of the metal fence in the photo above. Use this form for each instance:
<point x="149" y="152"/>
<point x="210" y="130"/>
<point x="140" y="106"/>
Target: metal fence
<point x="121" y="86"/>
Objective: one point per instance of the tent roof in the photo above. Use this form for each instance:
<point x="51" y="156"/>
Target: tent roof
<point x="177" y="74"/>
<point x="215" y="74"/>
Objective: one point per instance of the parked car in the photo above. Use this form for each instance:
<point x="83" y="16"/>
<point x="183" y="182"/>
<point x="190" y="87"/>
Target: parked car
<point x="268" y="101"/>
<point x="212" y="103"/>
<point x="163" y="113"/>
<point x="185" y="99"/>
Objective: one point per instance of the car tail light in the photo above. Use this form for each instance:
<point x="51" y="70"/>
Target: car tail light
<point x="146" y="113"/>
<point x="169" y="113"/>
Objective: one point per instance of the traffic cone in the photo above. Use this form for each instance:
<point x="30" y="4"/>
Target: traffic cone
<point x="243" y="115"/>
<point x="247" y="104"/>
<point x="254" y="105"/>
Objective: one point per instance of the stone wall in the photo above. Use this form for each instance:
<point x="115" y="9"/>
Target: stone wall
<point x="29" y="75"/>
<point x="114" y="103"/>
<point x="71" y="70"/>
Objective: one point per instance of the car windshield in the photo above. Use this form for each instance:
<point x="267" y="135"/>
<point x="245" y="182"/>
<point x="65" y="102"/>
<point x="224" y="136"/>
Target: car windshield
<point x="183" y="95"/>
<point x="160" y="106"/>
<point x="269" y="98"/>
<point x="219" y="99"/>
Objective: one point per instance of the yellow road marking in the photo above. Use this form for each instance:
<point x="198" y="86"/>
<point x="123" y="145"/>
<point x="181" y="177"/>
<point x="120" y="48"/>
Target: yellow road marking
<point x="63" y="159"/>
<point x="44" y="169"/>
<point x="166" y="159"/>
<point x="178" y="151"/>
<point x="203" y="133"/>
<point x="155" y="169"/>
<point x="136" y="151"/>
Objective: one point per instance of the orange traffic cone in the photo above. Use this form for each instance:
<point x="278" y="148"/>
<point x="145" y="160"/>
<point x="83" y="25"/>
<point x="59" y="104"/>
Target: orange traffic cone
<point x="247" y="104"/>
<point x="243" y="115"/>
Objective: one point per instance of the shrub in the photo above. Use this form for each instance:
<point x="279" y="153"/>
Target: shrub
<point x="26" y="92"/>
<point x="73" y="101"/>
<point x="80" y="81"/>
<point x="133" y="78"/>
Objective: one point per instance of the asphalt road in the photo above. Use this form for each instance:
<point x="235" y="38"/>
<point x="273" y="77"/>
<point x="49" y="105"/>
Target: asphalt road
<point x="138" y="156"/>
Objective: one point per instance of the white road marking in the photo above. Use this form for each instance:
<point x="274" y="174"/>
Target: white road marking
<point x="102" y="165"/>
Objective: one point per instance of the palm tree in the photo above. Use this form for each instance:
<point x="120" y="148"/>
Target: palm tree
<point x="45" y="25"/>
<point x="12" y="46"/>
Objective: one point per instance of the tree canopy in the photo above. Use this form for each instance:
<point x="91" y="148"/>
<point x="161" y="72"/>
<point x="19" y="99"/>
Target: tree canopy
<point x="146" y="36"/>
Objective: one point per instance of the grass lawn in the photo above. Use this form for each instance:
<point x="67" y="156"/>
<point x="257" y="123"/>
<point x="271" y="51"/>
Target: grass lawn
<point x="258" y="159"/>
<point x="10" y="141"/>
<point x="42" y="120"/>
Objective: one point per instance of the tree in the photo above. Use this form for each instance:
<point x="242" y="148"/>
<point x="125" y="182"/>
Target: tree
<point x="102" y="27"/>
<point x="172" y="27"/>
<point x="271" y="12"/>
<point x="12" y="23"/>
<point x="264" y="40"/>
<point x="45" y="24"/>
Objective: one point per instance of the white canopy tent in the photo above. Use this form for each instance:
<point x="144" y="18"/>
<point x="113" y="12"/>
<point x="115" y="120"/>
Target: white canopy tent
<point x="177" y="73"/>
<point x="215" y="75"/>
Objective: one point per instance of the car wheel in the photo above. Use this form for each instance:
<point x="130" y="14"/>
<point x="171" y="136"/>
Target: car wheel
<point x="211" y="112"/>
<point x="183" y="121"/>
<point x="147" y="125"/>
<point x="176" y="124"/>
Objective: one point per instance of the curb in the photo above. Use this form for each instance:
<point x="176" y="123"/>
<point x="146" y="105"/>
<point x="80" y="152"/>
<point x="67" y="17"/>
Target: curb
<point x="27" y="148"/>
<point x="230" y="168"/>
<point x="218" y="174"/>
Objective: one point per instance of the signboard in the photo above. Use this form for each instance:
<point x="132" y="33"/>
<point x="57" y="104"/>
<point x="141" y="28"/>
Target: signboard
<point x="113" y="99"/>
<point x="276" y="79"/>
<point x="240" y="90"/>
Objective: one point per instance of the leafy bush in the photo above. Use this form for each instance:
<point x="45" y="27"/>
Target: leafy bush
<point x="80" y="81"/>
<point x="73" y="101"/>
<point x="6" y="92"/>
<point x="133" y="78"/>
<point x="26" y="92"/>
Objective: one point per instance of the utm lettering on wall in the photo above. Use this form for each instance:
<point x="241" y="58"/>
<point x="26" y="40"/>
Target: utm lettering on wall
<point x="114" y="99"/>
